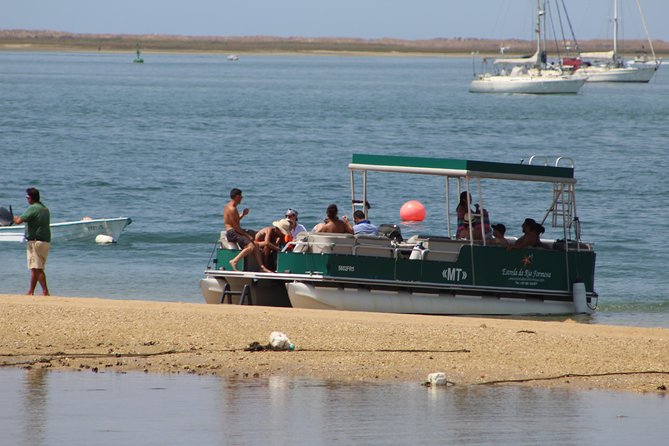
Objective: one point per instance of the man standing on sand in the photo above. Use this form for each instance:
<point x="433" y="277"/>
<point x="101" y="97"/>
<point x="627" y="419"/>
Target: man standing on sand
<point x="38" y="239"/>
<point x="235" y="234"/>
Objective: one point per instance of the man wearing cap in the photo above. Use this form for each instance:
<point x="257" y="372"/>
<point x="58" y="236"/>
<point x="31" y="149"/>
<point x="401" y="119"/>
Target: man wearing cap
<point x="498" y="237"/>
<point x="271" y="239"/>
<point x="291" y="214"/>
<point x="38" y="239"/>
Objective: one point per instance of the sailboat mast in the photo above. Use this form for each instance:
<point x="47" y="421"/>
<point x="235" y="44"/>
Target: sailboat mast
<point x="615" y="28"/>
<point x="537" y="30"/>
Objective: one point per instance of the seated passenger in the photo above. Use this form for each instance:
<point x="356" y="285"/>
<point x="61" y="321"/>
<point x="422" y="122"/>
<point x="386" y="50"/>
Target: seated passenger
<point x="362" y="225"/>
<point x="291" y="215"/>
<point x="333" y="224"/>
<point x="531" y="235"/>
<point x="235" y="234"/>
<point x="487" y="229"/>
<point x="271" y="239"/>
<point x="498" y="238"/>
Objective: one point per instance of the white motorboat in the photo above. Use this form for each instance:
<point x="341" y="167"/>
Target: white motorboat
<point x="528" y="75"/>
<point x="610" y="66"/>
<point x="82" y="230"/>
<point x="233" y="57"/>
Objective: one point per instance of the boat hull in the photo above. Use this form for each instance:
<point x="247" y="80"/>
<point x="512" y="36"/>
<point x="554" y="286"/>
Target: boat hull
<point x="311" y="296"/>
<point x="526" y="85"/>
<point x="82" y="230"/>
<point x="470" y="280"/>
<point x="642" y="74"/>
<point x="262" y="291"/>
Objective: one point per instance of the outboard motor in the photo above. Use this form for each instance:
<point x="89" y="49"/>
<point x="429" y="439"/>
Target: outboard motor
<point x="391" y="231"/>
<point x="6" y="216"/>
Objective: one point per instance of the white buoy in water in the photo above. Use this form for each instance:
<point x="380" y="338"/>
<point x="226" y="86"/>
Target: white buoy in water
<point x="580" y="301"/>
<point x="104" y="239"/>
<point x="437" y="379"/>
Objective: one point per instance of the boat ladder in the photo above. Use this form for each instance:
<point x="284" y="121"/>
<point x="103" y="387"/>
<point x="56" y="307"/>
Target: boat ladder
<point x="244" y="295"/>
<point x="562" y="209"/>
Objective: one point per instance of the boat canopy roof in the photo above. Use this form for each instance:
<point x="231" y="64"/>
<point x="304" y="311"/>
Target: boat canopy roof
<point x="605" y="55"/>
<point x="531" y="60"/>
<point x="463" y="168"/>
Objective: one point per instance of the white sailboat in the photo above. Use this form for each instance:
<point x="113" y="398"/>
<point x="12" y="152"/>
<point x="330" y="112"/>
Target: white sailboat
<point x="610" y="66"/>
<point x="528" y="75"/>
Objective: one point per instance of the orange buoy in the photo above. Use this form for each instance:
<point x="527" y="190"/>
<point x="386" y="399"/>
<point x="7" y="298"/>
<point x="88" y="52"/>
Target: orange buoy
<point x="412" y="210"/>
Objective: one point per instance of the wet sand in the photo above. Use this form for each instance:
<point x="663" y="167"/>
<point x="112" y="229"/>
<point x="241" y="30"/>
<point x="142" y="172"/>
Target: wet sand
<point x="104" y="335"/>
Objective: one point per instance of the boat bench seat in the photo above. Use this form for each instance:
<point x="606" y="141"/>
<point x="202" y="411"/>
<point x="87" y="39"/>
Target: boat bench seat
<point x="330" y="243"/>
<point x="301" y="242"/>
<point x="226" y="244"/>
<point x="442" y="249"/>
<point x="373" y="245"/>
<point x="348" y="244"/>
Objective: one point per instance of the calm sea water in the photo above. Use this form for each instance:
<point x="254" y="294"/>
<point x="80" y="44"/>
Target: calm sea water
<point x="164" y="142"/>
<point x="50" y="408"/>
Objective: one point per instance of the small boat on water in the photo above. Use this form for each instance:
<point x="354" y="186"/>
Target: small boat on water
<point x="233" y="57"/>
<point x="87" y="229"/>
<point x="427" y="273"/>
<point x="528" y="75"/>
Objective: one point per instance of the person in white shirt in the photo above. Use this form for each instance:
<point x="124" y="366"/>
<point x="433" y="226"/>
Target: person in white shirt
<point x="291" y="214"/>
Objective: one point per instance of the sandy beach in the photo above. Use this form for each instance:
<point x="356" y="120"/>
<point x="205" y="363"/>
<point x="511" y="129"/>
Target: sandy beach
<point x="104" y="335"/>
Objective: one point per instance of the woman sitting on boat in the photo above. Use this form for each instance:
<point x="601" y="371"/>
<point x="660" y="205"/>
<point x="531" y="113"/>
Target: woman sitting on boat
<point x="531" y="237"/>
<point x="487" y="229"/>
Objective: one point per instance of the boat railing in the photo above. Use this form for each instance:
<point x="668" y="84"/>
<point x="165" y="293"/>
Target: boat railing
<point x="551" y="161"/>
<point x="432" y="248"/>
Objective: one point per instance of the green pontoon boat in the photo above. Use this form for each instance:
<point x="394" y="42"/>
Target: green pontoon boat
<point x="427" y="274"/>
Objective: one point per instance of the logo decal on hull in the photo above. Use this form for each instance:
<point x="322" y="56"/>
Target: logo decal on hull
<point x="526" y="276"/>
<point x="454" y="274"/>
<point x="527" y="260"/>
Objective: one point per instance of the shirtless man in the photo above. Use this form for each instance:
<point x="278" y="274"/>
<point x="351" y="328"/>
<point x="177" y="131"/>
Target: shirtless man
<point x="235" y="233"/>
<point x="334" y="224"/>
<point x="531" y="235"/>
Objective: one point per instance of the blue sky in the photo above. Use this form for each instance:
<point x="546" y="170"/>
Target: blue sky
<point x="416" y="19"/>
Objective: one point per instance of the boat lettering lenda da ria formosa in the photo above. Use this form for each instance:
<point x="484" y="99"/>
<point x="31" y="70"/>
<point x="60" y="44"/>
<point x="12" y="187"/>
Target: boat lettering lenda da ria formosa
<point x="428" y="274"/>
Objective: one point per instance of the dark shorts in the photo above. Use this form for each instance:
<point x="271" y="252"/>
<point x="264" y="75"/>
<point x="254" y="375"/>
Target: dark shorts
<point x="235" y="237"/>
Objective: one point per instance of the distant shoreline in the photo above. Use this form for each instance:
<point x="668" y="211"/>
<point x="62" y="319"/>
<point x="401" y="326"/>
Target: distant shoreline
<point x="25" y="40"/>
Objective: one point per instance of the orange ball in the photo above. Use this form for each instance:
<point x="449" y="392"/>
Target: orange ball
<point x="412" y="210"/>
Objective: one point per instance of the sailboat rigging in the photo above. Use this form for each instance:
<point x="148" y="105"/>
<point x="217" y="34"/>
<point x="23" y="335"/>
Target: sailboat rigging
<point x="610" y="66"/>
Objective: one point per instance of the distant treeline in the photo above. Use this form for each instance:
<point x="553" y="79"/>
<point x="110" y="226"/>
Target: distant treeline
<point x="55" y="40"/>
